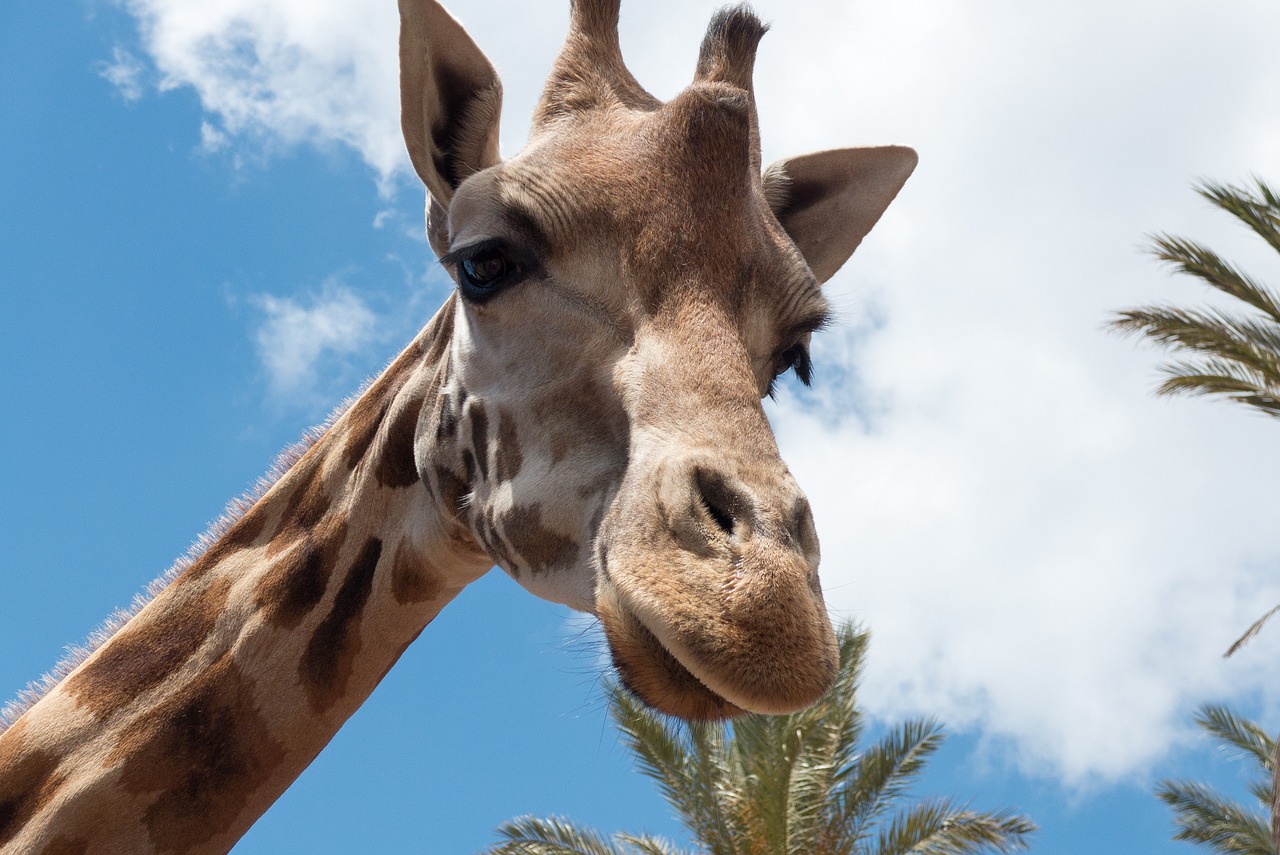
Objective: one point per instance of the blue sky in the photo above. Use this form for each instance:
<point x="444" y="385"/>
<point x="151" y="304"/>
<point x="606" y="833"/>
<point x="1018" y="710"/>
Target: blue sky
<point x="189" y="279"/>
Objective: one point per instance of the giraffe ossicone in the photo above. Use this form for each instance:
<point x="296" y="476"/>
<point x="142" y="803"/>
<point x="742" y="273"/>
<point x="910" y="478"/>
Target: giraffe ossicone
<point x="585" y="411"/>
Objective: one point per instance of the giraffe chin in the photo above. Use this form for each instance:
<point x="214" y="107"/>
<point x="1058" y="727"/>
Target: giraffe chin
<point x="650" y="672"/>
<point x="770" y="677"/>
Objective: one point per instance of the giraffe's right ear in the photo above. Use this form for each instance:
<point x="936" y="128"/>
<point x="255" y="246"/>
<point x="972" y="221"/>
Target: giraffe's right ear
<point x="450" y="101"/>
<point x="828" y="201"/>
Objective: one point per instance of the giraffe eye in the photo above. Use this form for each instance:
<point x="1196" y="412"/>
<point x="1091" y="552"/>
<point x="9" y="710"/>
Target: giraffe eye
<point x="486" y="270"/>
<point x="483" y="274"/>
<point x="795" y="357"/>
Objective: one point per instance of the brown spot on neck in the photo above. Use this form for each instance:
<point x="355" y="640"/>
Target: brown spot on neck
<point x="306" y="505"/>
<point x="541" y="548"/>
<point x="367" y="413"/>
<point x="447" y="423"/>
<point x="510" y="458"/>
<point x="396" y="466"/>
<point x="157" y="642"/>
<point x="292" y="588"/>
<point x="479" y="436"/>
<point x="205" y="752"/>
<point x="489" y="535"/>
<point x="63" y="845"/>
<point x="326" y="665"/>
<point x="414" y="579"/>
<point x="242" y="534"/>
<point x="28" y="781"/>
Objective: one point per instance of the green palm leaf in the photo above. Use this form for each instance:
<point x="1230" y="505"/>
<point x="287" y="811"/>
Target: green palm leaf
<point x="527" y="835"/>
<point x="1258" y="208"/>
<point x="941" y="828"/>
<point x="665" y="754"/>
<point x="1241" y="734"/>
<point x="1235" y="356"/>
<point x="1203" y="816"/>
<point x="797" y="784"/>
<point x="879" y="778"/>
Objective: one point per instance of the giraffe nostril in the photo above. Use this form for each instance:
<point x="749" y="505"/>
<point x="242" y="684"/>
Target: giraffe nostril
<point x="722" y="503"/>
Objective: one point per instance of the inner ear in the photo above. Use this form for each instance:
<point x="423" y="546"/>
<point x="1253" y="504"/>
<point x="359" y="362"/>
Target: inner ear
<point x="450" y="101"/>
<point x="828" y="201"/>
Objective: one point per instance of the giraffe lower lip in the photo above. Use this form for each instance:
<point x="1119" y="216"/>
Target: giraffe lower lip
<point x="654" y="675"/>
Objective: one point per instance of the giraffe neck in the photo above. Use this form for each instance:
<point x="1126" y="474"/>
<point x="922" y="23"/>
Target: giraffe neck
<point x="184" y="726"/>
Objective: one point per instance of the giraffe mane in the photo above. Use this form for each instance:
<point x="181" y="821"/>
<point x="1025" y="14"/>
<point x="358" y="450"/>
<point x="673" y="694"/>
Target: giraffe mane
<point x="236" y="508"/>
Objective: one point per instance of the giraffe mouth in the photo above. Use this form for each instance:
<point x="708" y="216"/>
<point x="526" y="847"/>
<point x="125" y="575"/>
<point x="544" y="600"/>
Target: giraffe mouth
<point x="652" y="673"/>
<point x="702" y="651"/>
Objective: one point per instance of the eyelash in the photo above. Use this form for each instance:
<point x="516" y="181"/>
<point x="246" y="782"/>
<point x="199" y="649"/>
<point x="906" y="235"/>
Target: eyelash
<point x="795" y="357"/>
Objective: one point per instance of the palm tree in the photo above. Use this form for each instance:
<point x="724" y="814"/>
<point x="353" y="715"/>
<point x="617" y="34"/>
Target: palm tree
<point x="1205" y="816"/>
<point x="1232" y="355"/>
<point x="794" y="784"/>
<point x="1236" y="356"/>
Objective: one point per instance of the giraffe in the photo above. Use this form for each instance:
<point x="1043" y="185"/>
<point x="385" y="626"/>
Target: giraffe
<point x="584" y="411"/>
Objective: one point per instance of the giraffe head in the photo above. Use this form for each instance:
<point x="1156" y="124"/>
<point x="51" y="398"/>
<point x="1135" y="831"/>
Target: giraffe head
<point x="629" y="287"/>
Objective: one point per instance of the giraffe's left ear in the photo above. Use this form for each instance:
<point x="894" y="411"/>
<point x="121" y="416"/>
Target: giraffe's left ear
<point x="450" y="100"/>
<point x="828" y="201"/>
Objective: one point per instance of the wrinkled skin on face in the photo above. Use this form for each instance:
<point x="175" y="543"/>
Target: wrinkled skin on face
<point x="630" y="285"/>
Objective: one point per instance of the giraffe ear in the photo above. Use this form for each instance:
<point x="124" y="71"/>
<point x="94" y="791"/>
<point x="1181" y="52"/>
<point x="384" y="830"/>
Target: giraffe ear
<point x="450" y="100"/>
<point x="828" y="201"/>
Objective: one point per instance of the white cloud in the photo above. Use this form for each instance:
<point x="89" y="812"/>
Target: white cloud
<point x="285" y="71"/>
<point x="125" y="73"/>
<point x="1045" y="554"/>
<point x="295" y="340"/>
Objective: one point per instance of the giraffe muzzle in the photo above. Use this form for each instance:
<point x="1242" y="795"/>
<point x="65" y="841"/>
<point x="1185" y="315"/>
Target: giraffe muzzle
<point x="711" y="601"/>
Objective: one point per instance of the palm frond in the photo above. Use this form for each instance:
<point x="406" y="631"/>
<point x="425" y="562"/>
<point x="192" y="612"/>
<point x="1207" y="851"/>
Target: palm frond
<point x="765" y="749"/>
<point x="1217" y="377"/>
<point x="666" y="756"/>
<point x="1232" y="356"/>
<point x="881" y="776"/>
<point x="796" y="784"/>
<point x="1257" y="208"/>
<point x="1194" y="259"/>
<point x="938" y="827"/>
<point x="1210" y="332"/>
<point x="1239" y="733"/>
<point x="644" y="844"/>
<point x="1203" y="816"/>
<point x="528" y="835"/>
<point x="1253" y="630"/>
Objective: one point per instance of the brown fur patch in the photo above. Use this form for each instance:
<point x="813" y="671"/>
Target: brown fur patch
<point x="206" y="750"/>
<point x="28" y="780"/>
<point x="63" y="845"/>
<point x="306" y="505"/>
<point x="295" y="585"/>
<point x="397" y="467"/>
<point x="329" y="656"/>
<point x="367" y="413"/>
<point x="149" y="649"/>
<point x="447" y="426"/>
<point x="509" y="456"/>
<point x="453" y="492"/>
<point x="538" y="545"/>
<point x="414" y="579"/>
<point x="242" y="534"/>
<point x="487" y="529"/>
<point x="583" y="412"/>
<point x="479" y="436"/>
